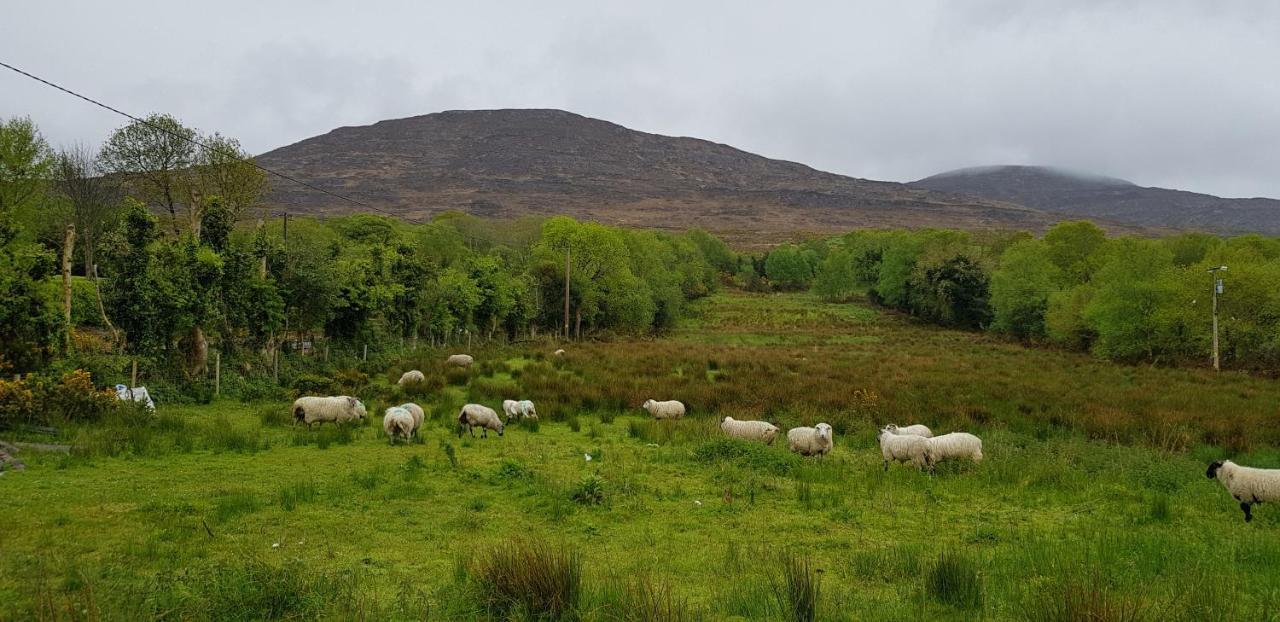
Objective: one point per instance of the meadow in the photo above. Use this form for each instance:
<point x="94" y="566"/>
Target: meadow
<point x="1091" y="503"/>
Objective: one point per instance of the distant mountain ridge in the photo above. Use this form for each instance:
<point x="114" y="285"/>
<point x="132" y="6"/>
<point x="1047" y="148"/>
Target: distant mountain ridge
<point x="508" y="163"/>
<point x="1097" y="197"/>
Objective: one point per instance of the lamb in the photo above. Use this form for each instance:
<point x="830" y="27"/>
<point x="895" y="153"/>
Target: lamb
<point x="336" y="409"/>
<point x="412" y="376"/>
<point x="954" y="446"/>
<point x="417" y="413"/>
<point x="806" y="441"/>
<point x="1248" y="485"/>
<point x="397" y="422"/>
<point x="762" y="431"/>
<point x="917" y="429"/>
<point x="460" y="360"/>
<point x="477" y="416"/>
<point x="894" y="445"/>
<point x="670" y="409"/>
<point x="522" y="409"/>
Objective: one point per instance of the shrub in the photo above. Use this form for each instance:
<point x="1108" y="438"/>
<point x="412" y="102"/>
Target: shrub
<point x="534" y="577"/>
<point x="796" y="588"/>
<point x="955" y="580"/>
<point x="349" y="381"/>
<point x="17" y="403"/>
<point x="76" y="399"/>
<point x="312" y="384"/>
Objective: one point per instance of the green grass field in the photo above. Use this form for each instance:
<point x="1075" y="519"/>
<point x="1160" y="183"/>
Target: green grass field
<point x="1091" y="503"/>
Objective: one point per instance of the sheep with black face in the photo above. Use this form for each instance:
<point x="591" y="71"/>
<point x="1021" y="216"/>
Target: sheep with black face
<point x="1247" y="485"/>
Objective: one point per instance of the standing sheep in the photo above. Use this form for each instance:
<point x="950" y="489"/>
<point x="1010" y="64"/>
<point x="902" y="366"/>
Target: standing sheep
<point x="522" y="409"/>
<point x="954" y="446"/>
<point x="336" y="409"/>
<point x="527" y="410"/>
<point x="917" y="429"/>
<point x="903" y="448"/>
<point x="397" y="422"/>
<point x="418" y="415"/>
<point x="762" y="431"/>
<point x="559" y="352"/>
<point x="670" y="409"/>
<point x="412" y="376"/>
<point x="460" y="360"/>
<point x="1248" y="485"/>
<point x="815" y="441"/>
<point x="477" y="416"/>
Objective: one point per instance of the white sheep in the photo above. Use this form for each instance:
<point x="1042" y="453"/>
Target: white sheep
<point x="917" y="430"/>
<point x="559" y="352"/>
<point x="460" y="360"/>
<point x="412" y="376"/>
<point x="335" y="409"/>
<point x="954" y="446"/>
<point x="895" y="446"/>
<point x="511" y="408"/>
<point x="397" y="421"/>
<point x="477" y="416"/>
<point x="670" y="409"/>
<point x="418" y="415"/>
<point x="1248" y="485"/>
<point x="806" y="441"/>
<point x="762" y="431"/>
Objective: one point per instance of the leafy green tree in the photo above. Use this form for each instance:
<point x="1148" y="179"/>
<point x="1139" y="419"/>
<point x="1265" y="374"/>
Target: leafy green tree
<point x="838" y="278"/>
<point x="157" y="153"/>
<point x="133" y="303"/>
<point x="1020" y="289"/>
<point x="1072" y="246"/>
<point x="790" y="267"/>
<point x="955" y="292"/>
<point x="25" y="165"/>
<point x="1133" y="285"/>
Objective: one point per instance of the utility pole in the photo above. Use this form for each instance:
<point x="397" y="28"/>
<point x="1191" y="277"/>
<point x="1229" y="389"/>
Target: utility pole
<point x="566" y="293"/>
<point x="1217" y="290"/>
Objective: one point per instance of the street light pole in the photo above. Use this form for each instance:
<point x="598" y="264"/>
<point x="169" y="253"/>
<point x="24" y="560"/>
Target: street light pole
<point x="1217" y="289"/>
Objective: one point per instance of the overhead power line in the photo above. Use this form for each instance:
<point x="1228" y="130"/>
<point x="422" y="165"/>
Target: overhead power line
<point x="195" y="142"/>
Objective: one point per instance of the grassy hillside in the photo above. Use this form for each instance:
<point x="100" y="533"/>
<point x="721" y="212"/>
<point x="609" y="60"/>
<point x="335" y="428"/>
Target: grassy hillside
<point x="1092" y="500"/>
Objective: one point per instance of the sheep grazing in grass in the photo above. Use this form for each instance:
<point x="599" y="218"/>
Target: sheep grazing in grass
<point x="895" y="446"/>
<point x="335" y="409"/>
<point x="559" y="352"/>
<point x="418" y="415"/>
<point x="761" y="431"/>
<point x="412" y="376"/>
<point x="954" y="446"/>
<point x="397" y="421"/>
<point x="917" y="430"/>
<point x="670" y="409"/>
<point x="1248" y="485"/>
<point x="522" y="409"/>
<point x="477" y="416"/>
<point x="815" y="441"/>
<point x="460" y="360"/>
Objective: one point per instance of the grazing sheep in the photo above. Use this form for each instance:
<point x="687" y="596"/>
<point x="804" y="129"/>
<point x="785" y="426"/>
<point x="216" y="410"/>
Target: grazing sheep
<point x="418" y="415"/>
<point x="336" y="409"/>
<point x="1248" y="485"/>
<point x="412" y="376"/>
<point x="917" y="429"/>
<point x="559" y="352"/>
<point x="670" y="409"/>
<point x="815" y="441"/>
<point x="903" y="448"/>
<point x="460" y="360"/>
<point x="954" y="446"/>
<point x="762" y="431"/>
<point x="477" y="416"/>
<point x="397" y="422"/>
<point x="511" y="408"/>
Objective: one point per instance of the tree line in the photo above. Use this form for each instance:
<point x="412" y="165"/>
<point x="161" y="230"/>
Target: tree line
<point x="1123" y="298"/>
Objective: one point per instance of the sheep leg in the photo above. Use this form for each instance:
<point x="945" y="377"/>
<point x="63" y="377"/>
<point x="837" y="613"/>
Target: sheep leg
<point x="1248" y="510"/>
<point x="886" y="466"/>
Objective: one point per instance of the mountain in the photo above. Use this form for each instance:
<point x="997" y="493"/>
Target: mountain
<point x="1105" y="198"/>
<point x="508" y="163"/>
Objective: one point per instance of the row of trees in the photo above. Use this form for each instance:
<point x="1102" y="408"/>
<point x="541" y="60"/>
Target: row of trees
<point x="1125" y="298"/>
<point x="164" y="225"/>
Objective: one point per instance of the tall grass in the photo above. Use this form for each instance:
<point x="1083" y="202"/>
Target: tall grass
<point x="641" y="599"/>
<point x="530" y="578"/>
<point x="797" y="588"/>
<point x="955" y="580"/>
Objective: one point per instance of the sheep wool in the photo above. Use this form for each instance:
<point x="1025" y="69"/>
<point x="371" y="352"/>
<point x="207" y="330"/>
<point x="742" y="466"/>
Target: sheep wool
<point x="1247" y="485"/>
<point x="397" y="421"/>
<point x="334" y="409"/>
<point x="460" y="360"/>
<point x="559" y="352"/>
<point x="806" y="441"/>
<point x="412" y="376"/>
<point x="895" y="446"/>
<point x="670" y="409"/>
<point x="527" y="410"/>
<point x="511" y="408"/>
<point x="475" y="416"/>
<point x="761" y="431"/>
<point x="418" y="415"/>
<point x="917" y="430"/>
<point x="954" y="446"/>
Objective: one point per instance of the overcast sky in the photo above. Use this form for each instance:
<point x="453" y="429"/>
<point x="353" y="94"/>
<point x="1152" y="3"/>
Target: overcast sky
<point x="1163" y="92"/>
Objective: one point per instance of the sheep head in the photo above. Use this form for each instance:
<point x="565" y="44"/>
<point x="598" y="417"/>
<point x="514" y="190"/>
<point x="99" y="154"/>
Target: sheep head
<point x="1212" y="473"/>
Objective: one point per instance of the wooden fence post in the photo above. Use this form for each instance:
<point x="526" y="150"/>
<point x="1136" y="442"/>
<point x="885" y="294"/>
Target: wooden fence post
<point x="217" y="373"/>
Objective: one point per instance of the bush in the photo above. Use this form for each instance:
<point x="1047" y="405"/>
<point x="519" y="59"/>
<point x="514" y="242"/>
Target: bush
<point x="312" y="384"/>
<point x="76" y="399"/>
<point x="535" y="578"/>
<point x="589" y="491"/>
<point x="17" y="403"/>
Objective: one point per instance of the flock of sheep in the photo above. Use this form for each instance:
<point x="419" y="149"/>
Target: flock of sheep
<point x="915" y="444"/>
